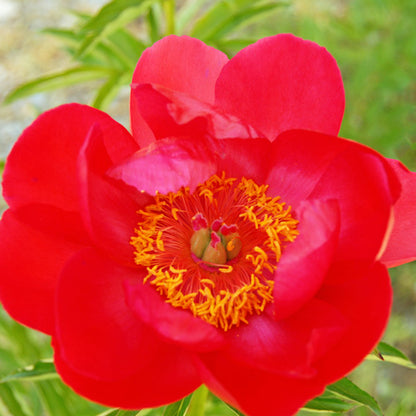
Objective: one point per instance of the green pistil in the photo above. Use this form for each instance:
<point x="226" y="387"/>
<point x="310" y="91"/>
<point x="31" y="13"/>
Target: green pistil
<point x="211" y="245"/>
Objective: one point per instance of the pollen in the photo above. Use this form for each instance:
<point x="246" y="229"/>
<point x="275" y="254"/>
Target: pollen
<point x="214" y="251"/>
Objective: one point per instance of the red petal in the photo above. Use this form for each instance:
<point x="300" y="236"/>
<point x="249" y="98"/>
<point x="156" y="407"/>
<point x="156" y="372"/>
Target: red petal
<point x="108" y="211"/>
<point x="166" y="379"/>
<point x="401" y="247"/>
<point x="243" y="158"/>
<point x="178" y="63"/>
<point x="41" y="166"/>
<point x="282" y="83"/>
<point x="166" y="166"/>
<point x="174" y="325"/>
<point x="365" y="302"/>
<point x="255" y="392"/>
<point x="31" y="260"/>
<point x="309" y="165"/>
<point x="290" y="346"/>
<point x="176" y="114"/>
<point x="306" y="261"/>
<point x="97" y="333"/>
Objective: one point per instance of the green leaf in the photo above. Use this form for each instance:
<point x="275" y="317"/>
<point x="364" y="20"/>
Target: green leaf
<point x="41" y="370"/>
<point x="52" y="397"/>
<point x="8" y="398"/>
<point x="120" y="412"/>
<point x="390" y="354"/>
<point x="240" y="18"/>
<point x="348" y="390"/>
<point x="198" y="401"/>
<point x="154" y="20"/>
<point x="127" y="47"/>
<point x="234" y="410"/>
<point x="178" y="408"/>
<point x="328" y="403"/>
<point x="186" y="13"/>
<point x="211" y="19"/>
<point x="225" y="16"/>
<point x="61" y="79"/>
<point x="66" y="35"/>
<point x="108" y="91"/>
<point x="113" y="16"/>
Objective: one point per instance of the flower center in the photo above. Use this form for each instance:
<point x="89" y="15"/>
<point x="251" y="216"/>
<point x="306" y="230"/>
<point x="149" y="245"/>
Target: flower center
<point x="214" y="251"/>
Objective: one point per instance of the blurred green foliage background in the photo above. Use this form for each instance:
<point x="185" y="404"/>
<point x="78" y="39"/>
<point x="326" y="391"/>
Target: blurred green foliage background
<point x="374" y="43"/>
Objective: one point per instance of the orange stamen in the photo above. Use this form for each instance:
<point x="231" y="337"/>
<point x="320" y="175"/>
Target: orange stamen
<point x="250" y="228"/>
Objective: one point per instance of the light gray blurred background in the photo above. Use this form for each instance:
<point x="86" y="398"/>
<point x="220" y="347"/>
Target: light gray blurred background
<point x="26" y="53"/>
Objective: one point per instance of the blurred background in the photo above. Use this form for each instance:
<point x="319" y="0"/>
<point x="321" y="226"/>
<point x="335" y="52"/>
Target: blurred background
<point x="73" y="56"/>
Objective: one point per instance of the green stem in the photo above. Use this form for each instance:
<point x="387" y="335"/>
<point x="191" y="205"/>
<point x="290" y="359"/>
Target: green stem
<point x="198" y="400"/>
<point x="169" y="8"/>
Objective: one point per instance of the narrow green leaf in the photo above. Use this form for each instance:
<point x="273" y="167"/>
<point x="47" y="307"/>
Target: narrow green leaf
<point x="62" y="79"/>
<point x="66" y="35"/>
<point x="348" y="390"/>
<point x="127" y="47"/>
<point x="109" y="90"/>
<point x="8" y="398"/>
<point x="158" y="411"/>
<point x="52" y="398"/>
<point x="178" y="408"/>
<point x="153" y="24"/>
<point x="241" y="18"/>
<point x="120" y="412"/>
<point x="114" y="15"/>
<point x="131" y="46"/>
<point x="234" y="410"/>
<point x="391" y="354"/>
<point x="121" y="49"/>
<point x="41" y="370"/>
<point x="169" y="11"/>
<point x="328" y="404"/>
<point x="205" y="25"/>
<point x="108" y="13"/>
<point x="186" y="13"/>
<point x="231" y="46"/>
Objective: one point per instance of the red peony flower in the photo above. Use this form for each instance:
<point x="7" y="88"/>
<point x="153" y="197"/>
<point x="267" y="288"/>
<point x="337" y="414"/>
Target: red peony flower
<point x="232" y="239"/>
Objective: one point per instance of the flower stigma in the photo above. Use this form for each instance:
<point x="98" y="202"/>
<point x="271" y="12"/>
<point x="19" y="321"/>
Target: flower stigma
<point x="214" y="251"/>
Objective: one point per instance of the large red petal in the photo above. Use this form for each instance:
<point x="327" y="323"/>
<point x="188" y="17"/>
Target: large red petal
<point x="360" y="184"/>
<point x="255" y="392"/>
<point x="164" y="380"/>
<point x="305" y="262"/>
<point x="243" y="158"/>
<point x="41" y="167"/>
<point x="31" y="259"/>
<point x="174" y="325"/>
<point x="310" y="165"/>
<point x="97" y="333"/>
<point x="166" y="166"/>
<point x="290" y="346"/>
<point x="365" y="302"/>
<point x="282" y="83"/>
<point x="176" y="114"/>
<point x="180" y="63"/>
<point x="108" y="208"/>
<point x="401" y="247"/>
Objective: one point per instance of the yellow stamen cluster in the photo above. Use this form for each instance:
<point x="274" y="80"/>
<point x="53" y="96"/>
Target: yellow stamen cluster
<point x="226" y="295"/>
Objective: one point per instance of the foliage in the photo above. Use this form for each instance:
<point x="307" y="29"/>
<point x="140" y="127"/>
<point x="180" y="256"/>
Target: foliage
<point x="104" y="47"/>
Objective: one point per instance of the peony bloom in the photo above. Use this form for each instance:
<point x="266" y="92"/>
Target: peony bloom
<point x="232" y="239"/>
